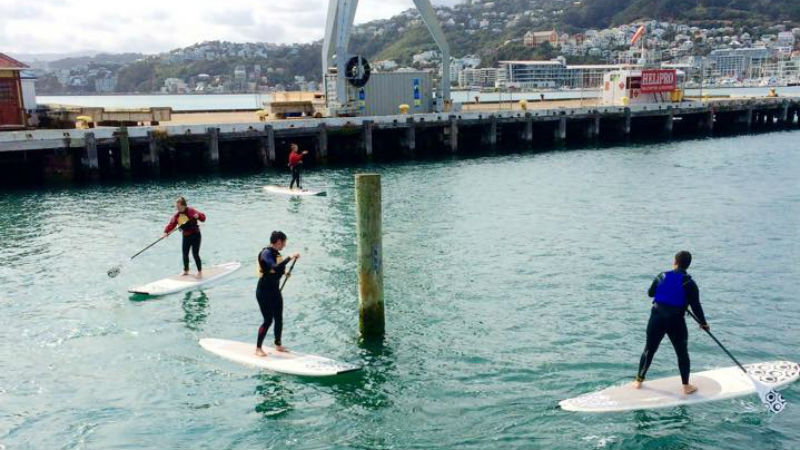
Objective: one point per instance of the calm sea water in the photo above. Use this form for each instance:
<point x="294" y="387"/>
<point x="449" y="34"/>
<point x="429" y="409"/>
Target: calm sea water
<point x="253" y="101"/>
<point x="512" y="281"/>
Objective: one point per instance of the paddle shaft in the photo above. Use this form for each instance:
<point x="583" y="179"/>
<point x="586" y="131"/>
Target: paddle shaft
<point x="154" y="243"/>
<point x="288" y="273"/>
<point x="719" y="343"/>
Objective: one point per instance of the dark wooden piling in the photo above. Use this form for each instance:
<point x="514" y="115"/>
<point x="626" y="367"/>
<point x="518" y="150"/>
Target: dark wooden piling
<point x="366" y="139"/>
<point x="92" y="157"/>
<point x="322" y="142"/>
<point x="561" y="131"/>
<point x="527" y="133"/>
<point x="410" y="141"/>
<point x="212" y="154"/>
<point x="125" y="151"/>
<point x="154" y="159"/>
<point x="453" y="135"/>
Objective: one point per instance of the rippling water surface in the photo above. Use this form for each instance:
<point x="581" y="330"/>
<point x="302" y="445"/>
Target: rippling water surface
<point x="512" y="281"/>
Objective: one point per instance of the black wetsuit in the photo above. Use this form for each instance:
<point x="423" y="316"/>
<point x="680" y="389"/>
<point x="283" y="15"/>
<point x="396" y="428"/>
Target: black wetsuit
<point x="268" y="293"/>
<point x="673" y="292"/>
<point x="295" y="177"/>
<point x="192" y="242"/>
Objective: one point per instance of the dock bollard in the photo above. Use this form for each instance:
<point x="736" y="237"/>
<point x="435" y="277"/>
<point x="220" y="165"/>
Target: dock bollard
<point x="370" y="256"/>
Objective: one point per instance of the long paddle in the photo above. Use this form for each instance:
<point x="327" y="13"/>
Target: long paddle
<point x="114" y="271"/>
<point x="771" y="399"/>
<point x="288" y="273"/>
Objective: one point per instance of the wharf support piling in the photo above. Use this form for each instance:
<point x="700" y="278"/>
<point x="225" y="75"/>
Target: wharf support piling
<point x="370" y="256"/>
<point x="151" y="151"/>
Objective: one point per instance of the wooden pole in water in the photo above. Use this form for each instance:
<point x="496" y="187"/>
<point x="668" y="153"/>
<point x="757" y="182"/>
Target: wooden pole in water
<point x="370" y="255"/>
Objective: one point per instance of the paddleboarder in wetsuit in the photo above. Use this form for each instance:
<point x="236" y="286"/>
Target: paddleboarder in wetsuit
<point x="271" y="267"/>
<point x="295" y="162"/>
<point x="672" y="292"/>
<point x="186" y="218"/>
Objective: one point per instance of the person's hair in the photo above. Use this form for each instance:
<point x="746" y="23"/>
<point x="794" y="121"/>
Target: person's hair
<point x="182" y="201"/>
<point x="294" y="146"/>
<point x="683" y="259"/>
<point x="277" y="236"/>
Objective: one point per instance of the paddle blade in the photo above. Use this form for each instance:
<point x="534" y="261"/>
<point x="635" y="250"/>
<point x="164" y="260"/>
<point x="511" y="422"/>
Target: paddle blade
<point x="114" y="271"/>
<point x="772" y="399"/>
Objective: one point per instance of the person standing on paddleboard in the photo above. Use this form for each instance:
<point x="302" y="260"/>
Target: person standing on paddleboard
<point x="186" y="218"/>
<point x="672" y="292"/>
<point x="271" y="267"/>
<point x="295" y="162"/>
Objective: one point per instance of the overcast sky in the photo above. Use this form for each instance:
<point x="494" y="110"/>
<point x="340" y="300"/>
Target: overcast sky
<point x="150" y="26"/>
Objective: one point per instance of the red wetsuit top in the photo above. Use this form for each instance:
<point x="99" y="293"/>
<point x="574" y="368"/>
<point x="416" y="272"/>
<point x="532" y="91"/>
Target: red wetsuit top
<point x="186" y="222"/>
<point x="295" y="159"/>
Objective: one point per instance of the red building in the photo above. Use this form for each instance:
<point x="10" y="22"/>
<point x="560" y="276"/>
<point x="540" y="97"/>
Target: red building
<point x="12" y="110"/>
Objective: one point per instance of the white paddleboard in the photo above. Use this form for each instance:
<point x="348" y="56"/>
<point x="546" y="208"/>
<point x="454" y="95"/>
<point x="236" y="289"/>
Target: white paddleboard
<point x="712" y="385"/>
<point x="180" y="282"/>
<point x="286" y="191"/>
<point x="292" y="363"/>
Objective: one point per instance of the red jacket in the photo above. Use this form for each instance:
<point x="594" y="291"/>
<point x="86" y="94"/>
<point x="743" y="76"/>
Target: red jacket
<point x="295" y="159"/>
<point x="186" y="222"/>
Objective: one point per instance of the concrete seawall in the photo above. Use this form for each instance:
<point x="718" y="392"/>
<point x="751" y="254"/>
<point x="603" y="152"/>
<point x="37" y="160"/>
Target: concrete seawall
<point x="40" y="156"/>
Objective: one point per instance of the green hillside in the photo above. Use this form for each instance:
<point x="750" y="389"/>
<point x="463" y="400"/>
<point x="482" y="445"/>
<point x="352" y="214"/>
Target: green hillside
<point x="605" y="13"/>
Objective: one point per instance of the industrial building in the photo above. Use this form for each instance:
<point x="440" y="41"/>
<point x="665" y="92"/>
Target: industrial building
<point x="486" y="77"/>
<point x="12" y="100"/>
<point x="739" y="63"/>
<point x="553" y="74"/>
<point x="387" y="92"/>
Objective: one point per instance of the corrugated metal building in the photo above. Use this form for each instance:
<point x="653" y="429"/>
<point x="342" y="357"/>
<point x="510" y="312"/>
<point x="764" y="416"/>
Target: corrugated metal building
<point x="28" y="83"/>
<point x="385" y="92"/>
<point x="12" y="106"/>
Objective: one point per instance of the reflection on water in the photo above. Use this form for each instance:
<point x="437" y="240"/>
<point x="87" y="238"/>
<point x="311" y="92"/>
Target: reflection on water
<point x="195" y="309"/>
<point x="367" y="387"/>
<point x="677" y="417"/>
<point x="274" y="396"/>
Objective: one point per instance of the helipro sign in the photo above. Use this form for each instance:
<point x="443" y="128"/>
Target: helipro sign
<point x="658" y="80"/>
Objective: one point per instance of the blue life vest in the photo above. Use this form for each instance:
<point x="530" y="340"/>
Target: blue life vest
<point x="670" y="291"/>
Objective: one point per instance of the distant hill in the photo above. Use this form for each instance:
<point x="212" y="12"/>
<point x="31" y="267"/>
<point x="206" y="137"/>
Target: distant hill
<point x="47" y="57"/>
<point x="749" y="13"/>
<point x="113" y="59"/>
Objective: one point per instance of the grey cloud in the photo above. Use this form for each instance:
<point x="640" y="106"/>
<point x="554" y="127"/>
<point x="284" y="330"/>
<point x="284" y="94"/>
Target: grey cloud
<point x="236" y="17"/>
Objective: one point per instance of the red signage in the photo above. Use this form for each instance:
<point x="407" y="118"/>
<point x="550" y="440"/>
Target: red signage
<point x="658" y="80"/>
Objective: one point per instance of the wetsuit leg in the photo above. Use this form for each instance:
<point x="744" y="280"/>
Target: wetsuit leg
<point x="277" y="313"/>
<point x="186" y="243"/>
<point x="295" y="178"/>
<point x="196" y="251"/>
<point x="679" y="336"/>
<point x="655" y="333"/>
<point x="266" y="314"/>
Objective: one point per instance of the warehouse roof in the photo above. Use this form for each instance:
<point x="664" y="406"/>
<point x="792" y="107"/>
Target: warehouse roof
<point x="9" y="63"/>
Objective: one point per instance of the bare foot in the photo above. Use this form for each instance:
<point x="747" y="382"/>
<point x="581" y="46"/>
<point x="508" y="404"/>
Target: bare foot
<point x="689" y="389"/>
<point x="637" y="384"/>
<point x="185" y="273"/>
<point x="260" y="352"/>
<point x="199" y="274"/>
<point x="281" y="349"/>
